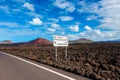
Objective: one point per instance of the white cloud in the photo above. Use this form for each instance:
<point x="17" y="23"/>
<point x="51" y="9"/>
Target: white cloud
<point x="71" y="9"/>
<point x="9" y="24"/>
<point x="29" y="6"/>
<point x="95" y="34"/>
<point x="62" y="33"/>
<point x="97" y="31"/>
<point x="63" y="4"/>
<point x="33" y="14"/>
<point x="92" y="17"/>
<point x="25" y="32"/>
<point x="74" y="28"/>
<point x="9" y="34"/>
<point x="4" y="8"/>
<point x="66" y="18"/>
<point x="73" y="36"/>
<point x="36" y="21"/>
<point x="107" y="12"/>
<point x="56" y="26"/>
<point x="88" y="28"/>
<point x="51" y="29"/>
<point x="110" y="12"/>
<point x="98" y="35"/>
<point x="88" y="7"/>
<point x="55" y="20"/>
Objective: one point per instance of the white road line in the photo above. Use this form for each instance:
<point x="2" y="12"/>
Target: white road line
<point x="62" y="75"/>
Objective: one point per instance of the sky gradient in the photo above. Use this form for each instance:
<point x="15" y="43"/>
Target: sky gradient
<point x="25" y="20"/>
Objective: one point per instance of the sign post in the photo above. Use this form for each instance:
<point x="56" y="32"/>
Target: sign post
<point x="55" y="53"/>
<point x="60" y="41"/>
<point x="65" y="53"/>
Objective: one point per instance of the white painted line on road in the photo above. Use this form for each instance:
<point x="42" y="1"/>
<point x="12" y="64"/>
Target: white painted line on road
<point x="62" y="75"/>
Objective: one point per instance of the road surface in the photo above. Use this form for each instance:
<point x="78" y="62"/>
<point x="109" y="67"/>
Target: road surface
<point x="15" y="68"/>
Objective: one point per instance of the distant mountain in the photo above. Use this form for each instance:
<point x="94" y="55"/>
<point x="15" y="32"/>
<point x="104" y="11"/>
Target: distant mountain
<point x="40" y="41"/>
<point x="81" y="40"/>
<point x="6" y="42"/>
<point x="117" y="40"/>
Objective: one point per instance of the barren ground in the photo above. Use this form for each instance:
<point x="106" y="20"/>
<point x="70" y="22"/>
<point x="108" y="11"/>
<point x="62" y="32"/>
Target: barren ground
<point x="99" y="61"/>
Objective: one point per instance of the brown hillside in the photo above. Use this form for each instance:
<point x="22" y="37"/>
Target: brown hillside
<point x="40" y="41"/>
<point x="82" y="40"/>
<point x="6" y="42"/>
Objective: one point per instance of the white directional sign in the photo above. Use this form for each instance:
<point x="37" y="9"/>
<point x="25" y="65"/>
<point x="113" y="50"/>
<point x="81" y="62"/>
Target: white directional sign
<point x="60" y="41"/>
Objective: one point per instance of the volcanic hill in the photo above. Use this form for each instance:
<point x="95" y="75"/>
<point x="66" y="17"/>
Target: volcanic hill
<point x="40" y="41"/>
<point x="81" y="40"/>
<point x="6" y="42"/>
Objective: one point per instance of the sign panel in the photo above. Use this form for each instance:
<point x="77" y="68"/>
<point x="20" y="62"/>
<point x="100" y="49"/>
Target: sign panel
<point x="60" y="41"/>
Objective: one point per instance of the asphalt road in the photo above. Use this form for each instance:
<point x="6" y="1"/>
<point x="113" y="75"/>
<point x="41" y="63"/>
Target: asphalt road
<point x="15" y="68"/>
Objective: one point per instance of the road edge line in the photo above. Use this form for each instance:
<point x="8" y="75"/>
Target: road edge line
<point x="60" y="74"/>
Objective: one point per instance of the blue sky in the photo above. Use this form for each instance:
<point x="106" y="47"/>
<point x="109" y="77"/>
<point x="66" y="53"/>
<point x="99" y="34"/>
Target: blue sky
<point x="25" y="20"/>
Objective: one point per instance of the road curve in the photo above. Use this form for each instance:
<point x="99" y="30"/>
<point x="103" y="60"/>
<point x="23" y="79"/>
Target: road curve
<point x="15" y="68"/>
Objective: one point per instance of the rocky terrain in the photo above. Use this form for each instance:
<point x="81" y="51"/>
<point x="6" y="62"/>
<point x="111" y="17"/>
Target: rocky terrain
<point x="97" y="61"/>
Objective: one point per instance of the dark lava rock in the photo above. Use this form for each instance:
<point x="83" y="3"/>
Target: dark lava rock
<point x="117" y="69"/>
<point x="104" y="67"/>
<point x="89" y="67"/>
<point x="98" y="77"/>
<point x="111" y="68"/>
<point x="82" y="72"/>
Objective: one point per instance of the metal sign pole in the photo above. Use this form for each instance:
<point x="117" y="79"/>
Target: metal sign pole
<point x="66" y="53"/>
<point x="55" y="53"/>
